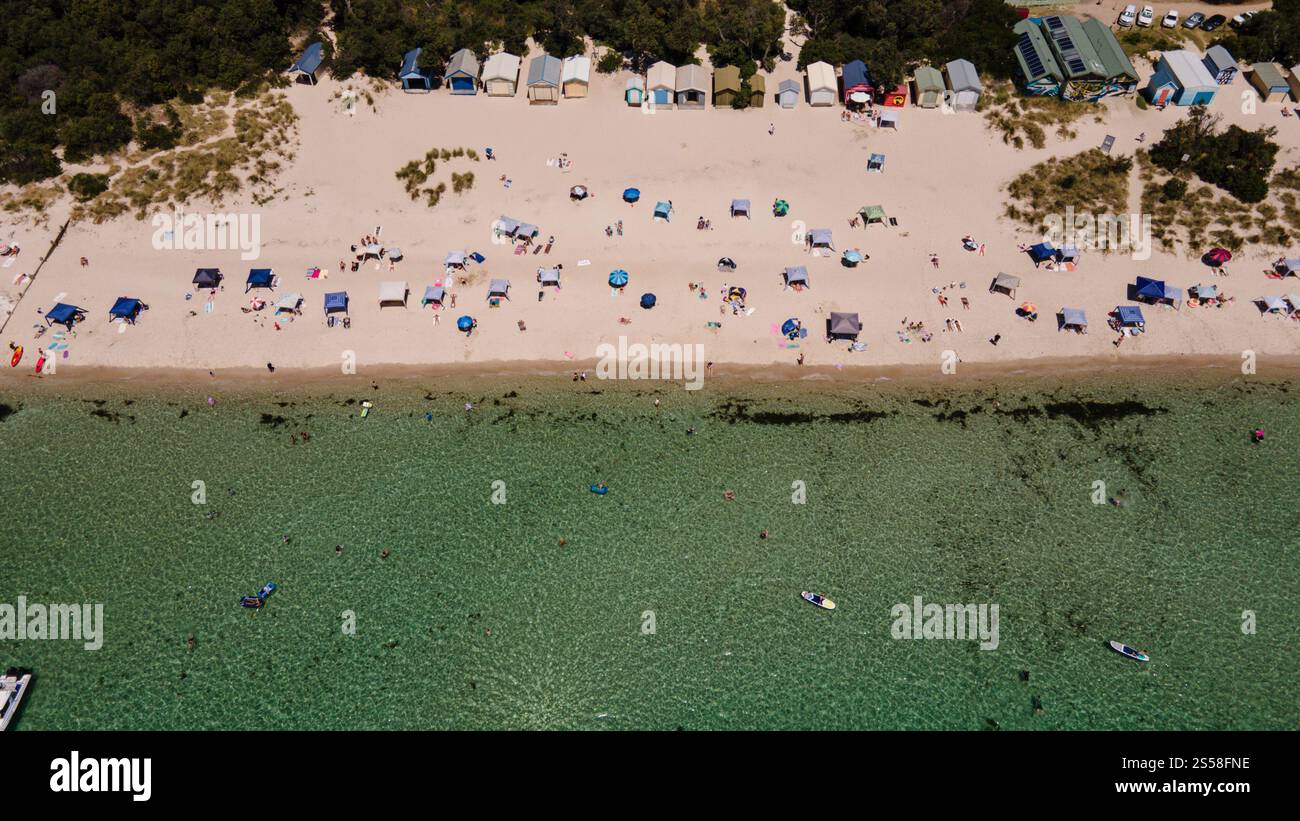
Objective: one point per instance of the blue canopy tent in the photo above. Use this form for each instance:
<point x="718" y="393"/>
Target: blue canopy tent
<point x="631" y="194"/>
<point x="648" y="301"/>
<point x="740" y="208"/>
<point x="662" y="210"/>
<point x="260" y="278"/>
<point x="1130" y="316"/>
<point x="412" y="76"/>
<point x="876" y="163"/>
<point x="618" y="279"/>
<point x="1042" y="252"/>
<point x="304" y="70"/>
<point x="336" y="302"/>
<point x="65" y="315"/>
<point x="433" y="295"/>
<point x="1072" y="318"/>
<point x="1156" y="290"/>
<point x="207" y="278"/>
<point x="127" y="309"/>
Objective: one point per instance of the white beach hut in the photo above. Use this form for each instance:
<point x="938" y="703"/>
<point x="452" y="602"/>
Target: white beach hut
<point x="661" y="83"/>
<point x="692" y="87"/>
<point x="501" y="75"/>
<point x="822" y="87"/>
<point x="787" y="94"/>
<point x="576" y="77"/>
<point x="964" y="83"/>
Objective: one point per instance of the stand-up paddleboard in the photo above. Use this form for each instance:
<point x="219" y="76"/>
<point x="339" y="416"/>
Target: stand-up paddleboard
<point x="17" y="357"/>
<point x="1128" y="652"/>
<point x="819" y="600"/>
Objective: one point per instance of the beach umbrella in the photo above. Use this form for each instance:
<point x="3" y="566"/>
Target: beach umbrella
<point x="648" y="301"/>
<point x="859" y="97"/>
<point x="852" y="257"/>
<point x="780" y="208"/>
<point x="578" y="192"/>
<point x="726" y="264"/>
<point x="632" y="195"/>
<point x="465" y="323"/>
<point x="618" y="278"/>
<point x="789" y="326"/>
<point x="1217" y="257"/>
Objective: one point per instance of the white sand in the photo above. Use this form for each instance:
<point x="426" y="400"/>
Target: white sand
<point x="944" y="178"/>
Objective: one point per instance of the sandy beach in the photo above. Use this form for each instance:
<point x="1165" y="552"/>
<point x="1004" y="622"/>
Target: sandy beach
<point x="944" y="179"/>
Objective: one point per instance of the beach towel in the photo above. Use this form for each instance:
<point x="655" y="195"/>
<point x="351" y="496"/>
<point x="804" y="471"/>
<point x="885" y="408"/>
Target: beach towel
<point x="583" y="263"/>
<point x="208" y="306"/>
<point x="520" y="249"/>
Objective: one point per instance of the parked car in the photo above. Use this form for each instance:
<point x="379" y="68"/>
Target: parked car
<point x="1193" y="20"/>
<point x="1170" y="20"/>
<point x="1128" y="15"/>
<point x="1214" y="22"/>
<point x="1147" y="16"/>
<point x="1236" y="21"/>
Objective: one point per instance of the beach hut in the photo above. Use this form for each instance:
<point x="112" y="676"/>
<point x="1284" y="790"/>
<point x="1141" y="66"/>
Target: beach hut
<point x="1129" y="316"/>
<point x="1072" y="319"/>
<point x="575" y="78"/>
<point x="304" y="68"/>
<point x="787" y="94"/>
<point x="1036" y="68"/>
<point x="65" y="315"/>
<point x="927" y="87"/>
<point x="857" y="80"/>
<point x="822" y="88"/>
<point x="1221" y="65"/>
<point x="1157" y="292"/>
<point x="433" y="295"/>
<point x="549" y="276"/>
<point x="843" y="326"/>
<point x="963" y="83"/>
<point x="797" y="275"/>
<point x="498" y="289"/>
<point x="1268" y="81"/>
<point x="740" y="208"/>
<point x="757" y="91"/>
<point x="1180" y="78"/>
<point x="663" y="211"/>
<point x="1006" y="284"/>
<point x="260" y="278"/>
<point x="207" y="278"/>
<point x="661" y="81"/>
<point x="461" y="74"/>
<point x="691" y="88"/>
<point x="819" y="238"/>
<point x="1117" y="74"/>
<point x="726" y="86"/>
<point x="501" y="75"/>
<point x="1287" y="267"/>
<point x="393" y="293"/>
<point x="635" y="92"/>
<point x="893" y="98"/>
<point x="412" y="76"/>
<point x="290" y="303"/>
<point x="126" y="309"/>
<point x="872" y="213"/>
<point x="889" y="119"/>
<point x="544" y="73"/>
<point x="876" y="163"/>
<point x="336" y="302"/>
<point x="1293" y="80"/>
<point x="454" y="261"/>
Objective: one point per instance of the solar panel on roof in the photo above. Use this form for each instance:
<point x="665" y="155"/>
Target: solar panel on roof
<point x="1055" y="23"/>
<point x="1064" y="42"/>
<point x="1076" y="64"/>
<point x="1027" y="51"/>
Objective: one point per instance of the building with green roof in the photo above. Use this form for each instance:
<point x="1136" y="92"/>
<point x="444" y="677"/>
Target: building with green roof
<point x="1036" y="66"/>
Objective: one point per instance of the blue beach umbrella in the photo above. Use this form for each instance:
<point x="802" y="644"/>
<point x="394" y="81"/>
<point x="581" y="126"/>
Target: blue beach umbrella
<point x="789" y="326"/>
<point x="648" y="301"/>
<point x="465" y="323"/>
<point x="618" y="278"/>
<point x="631" y="195"/>
<point x="852" y="257"/>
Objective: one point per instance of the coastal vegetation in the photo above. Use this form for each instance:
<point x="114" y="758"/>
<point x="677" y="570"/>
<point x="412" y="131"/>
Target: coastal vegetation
<point x="1089" y="182"/>
<point x="1234" y="159"/>
<point x="1022" y="119"/>
<point x="416" y="173"/>
<point x="1273" y="35"/>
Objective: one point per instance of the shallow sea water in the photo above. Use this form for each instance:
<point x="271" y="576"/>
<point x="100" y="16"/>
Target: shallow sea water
<point x="480" y="617"/>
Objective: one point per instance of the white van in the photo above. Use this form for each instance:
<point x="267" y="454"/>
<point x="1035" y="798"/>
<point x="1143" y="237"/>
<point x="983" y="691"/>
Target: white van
<point x="1128" y="15"/>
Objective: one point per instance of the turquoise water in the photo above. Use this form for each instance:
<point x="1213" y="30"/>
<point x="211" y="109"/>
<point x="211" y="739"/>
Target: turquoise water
<point x="480" y="617"/>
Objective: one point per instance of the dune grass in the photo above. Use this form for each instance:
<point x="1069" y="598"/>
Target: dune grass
<point x="1021" y="119"/>
<point x="1088" y="182"/>
<point x="416" y="173"/>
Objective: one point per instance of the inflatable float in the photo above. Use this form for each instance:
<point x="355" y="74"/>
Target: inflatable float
<point x="17" y="357"/>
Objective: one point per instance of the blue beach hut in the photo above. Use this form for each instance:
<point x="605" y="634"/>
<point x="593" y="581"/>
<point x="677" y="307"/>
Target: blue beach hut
<point x="462" y="72"/>
<point x="304" y="70"/>
<point x="126" y="309"/>
<point x="336" y="302"/>
<point x="412" y="76"/>
<point x="260" y="278"/>
<point x="65" y="315"/>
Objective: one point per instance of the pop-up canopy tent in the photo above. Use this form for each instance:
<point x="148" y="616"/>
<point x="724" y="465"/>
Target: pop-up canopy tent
<point x="740" y="208"/>
<point x="260" y="278"/>
<point x="662" y="210"/>
<point x="1294" y="300"/>
<point x="1073" y="319"/>
<point x="820" y="238"/>
<point x="336" y="302"/>
<point x="393" y="293"/>
<point x="876" y="163"/>
<point x="207" y="278"/>
<point x="65" y="315"/>
<point x="1155" y="290"/>
<point x="289" y="303"/>
<point x="1288" y="267"/>
<point x="872" y="213"/>
<point x="1042" y="252"/>
<point x="798" y="275"/>
<point x="1005" y="283"/>
<point x="498" y="288"/>
<point x="549" y="276"/>
<point x="1272" y="305"/>
<point x="433" y="295"/>
<point x="1203" y="292"/>
<point x="454" y="259"/>
<point x="843" y="326"/>
<point x="1129" y="316"/>
<point x="126" y="309"/>
<point x="889" y="119"/>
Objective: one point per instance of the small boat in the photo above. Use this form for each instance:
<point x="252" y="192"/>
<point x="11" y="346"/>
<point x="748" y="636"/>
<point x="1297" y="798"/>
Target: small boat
<point x="1125" y="650"/>
<point x="14" y="684"/>
<point x="819" y="600"/>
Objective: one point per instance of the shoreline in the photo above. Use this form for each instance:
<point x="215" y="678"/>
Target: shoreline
<point x="973" y="374"/>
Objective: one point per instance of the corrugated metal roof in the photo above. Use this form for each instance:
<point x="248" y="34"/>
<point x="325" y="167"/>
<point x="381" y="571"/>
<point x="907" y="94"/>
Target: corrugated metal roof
<point x="463" y="62"/>
<point x="821" y="76"/>
<point x="544" y="70"/>
<point x="501" y="66"/>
